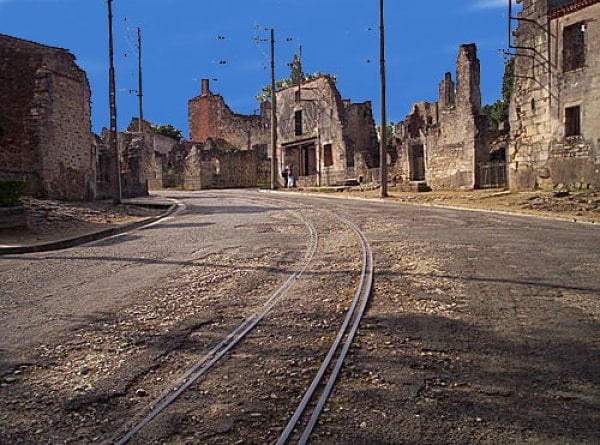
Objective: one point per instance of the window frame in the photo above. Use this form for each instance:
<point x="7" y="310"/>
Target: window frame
<point x="572" y="121"/>
<point x="574" y="54"/>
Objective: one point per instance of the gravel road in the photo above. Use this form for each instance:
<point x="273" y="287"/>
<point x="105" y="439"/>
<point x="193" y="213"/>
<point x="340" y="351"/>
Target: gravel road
<point x="482" y="327"/>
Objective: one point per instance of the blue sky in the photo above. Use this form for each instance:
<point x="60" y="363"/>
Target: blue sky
<point x="181" y="46"/>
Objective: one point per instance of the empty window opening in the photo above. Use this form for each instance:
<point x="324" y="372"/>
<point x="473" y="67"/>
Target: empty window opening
<point x="298" y="122"/>
<point x="327" y="155"/>
<point x="572" y="121"/>
<point x="574" y="46"/>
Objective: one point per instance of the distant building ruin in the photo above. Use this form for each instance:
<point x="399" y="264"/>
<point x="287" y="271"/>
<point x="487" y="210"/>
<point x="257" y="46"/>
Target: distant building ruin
<point x="217" y="164"/>
<point x="555" y="108"/>
<point x="327" y="140"/>
<point x="45" y="121"/>
<point x="210" y="117"/>
<point x="446" y="144"/>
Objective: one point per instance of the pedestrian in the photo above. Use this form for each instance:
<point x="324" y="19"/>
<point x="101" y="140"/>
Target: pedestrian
<point x="284" y="175"/>
<point x="290" y="176"/>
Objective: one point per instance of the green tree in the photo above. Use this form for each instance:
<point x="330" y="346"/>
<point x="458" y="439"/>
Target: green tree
<point x="498" y="111"/>
<point x="167" y="130"/>
<point x="296" y="74"/>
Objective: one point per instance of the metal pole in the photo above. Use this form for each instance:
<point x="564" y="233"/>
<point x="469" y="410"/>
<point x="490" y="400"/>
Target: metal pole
<point x="383" y="141"/>
<point x="140" y="93"/>
<point x="273" y="116"/>
<point x="112" y="100"/>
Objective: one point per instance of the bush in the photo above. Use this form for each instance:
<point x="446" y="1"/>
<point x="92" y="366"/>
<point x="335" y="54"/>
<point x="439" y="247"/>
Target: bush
<point x="10" y="192"/>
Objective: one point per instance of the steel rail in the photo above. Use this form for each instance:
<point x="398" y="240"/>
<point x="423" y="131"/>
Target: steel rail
<point x="178" y="387"/>
<point x="362" y="295"/>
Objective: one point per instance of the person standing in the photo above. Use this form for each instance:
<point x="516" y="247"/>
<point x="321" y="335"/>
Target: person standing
<point x="290" y="176"/>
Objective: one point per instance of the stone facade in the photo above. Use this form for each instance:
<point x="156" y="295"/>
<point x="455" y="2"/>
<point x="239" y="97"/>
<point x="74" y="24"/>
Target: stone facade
<point x="217" y="164"/>
<point x="133" y="154"/>
<point x="210" y="117"/>
<point x="45" y="121"/>
<point x="327" y="140"/>
<point x="443" y="144"/>
<point x="555" y="108"/>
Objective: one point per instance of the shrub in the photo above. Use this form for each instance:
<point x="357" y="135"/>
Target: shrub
<point x="10" y="192"/>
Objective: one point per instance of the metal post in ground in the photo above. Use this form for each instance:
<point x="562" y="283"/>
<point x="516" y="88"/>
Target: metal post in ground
<point x="383" y="125"/>
<point x="273" y="116"/>
<point x="112" y="100"/>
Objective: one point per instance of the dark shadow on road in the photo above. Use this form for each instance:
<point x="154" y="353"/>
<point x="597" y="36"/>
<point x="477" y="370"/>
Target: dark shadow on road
<point x="177" y="225"/>
<point x="539" y="283"/>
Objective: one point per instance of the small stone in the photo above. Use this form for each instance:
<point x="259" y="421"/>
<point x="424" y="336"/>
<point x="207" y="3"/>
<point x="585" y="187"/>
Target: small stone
<point x="363" y="424"/>
<point x="9" y="380"/>
<point x="141" y="392"/>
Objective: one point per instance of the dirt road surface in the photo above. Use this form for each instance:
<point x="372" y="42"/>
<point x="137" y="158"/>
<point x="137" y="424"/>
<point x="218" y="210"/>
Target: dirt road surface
<point x="482" y="327"/>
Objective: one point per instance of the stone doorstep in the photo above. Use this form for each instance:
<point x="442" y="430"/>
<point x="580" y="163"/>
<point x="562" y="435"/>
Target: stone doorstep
<point x="12" y="217"/>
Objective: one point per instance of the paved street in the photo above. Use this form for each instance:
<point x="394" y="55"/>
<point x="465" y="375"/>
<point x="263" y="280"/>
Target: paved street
<point x="482" y="327"/>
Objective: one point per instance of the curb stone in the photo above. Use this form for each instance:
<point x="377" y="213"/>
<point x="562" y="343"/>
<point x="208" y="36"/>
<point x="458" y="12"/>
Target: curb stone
<point x="566" y="219"/>
<point x="97" y="235"/>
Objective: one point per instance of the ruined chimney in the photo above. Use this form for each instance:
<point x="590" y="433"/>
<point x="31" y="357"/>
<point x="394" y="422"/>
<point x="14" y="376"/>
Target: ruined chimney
<point x="447" y="94"/>
<point x="468" y="92"/>
<point x="205" y="87"/>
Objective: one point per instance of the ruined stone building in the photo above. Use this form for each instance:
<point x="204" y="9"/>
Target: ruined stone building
<point x="210" y="117"/>
<point x="555" y="108"/>
<point x="218" y="164"/>
<point x="327" y="140"/>
<point x="446" y="144"/>
<point x="45" y="121"/>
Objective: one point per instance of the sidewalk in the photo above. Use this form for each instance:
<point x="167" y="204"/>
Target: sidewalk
<point x="54" y="225"/>
<point x="580" y="206"/>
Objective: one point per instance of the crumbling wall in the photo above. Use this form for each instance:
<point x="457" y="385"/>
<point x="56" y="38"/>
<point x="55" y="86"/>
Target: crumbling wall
<point x="542" y="152"/>
<point x="443" y="143"/>
<point x="45" y="120"/>
<point x="215" y="165"/>
<point x="210" y="117"/>
<point x="362" y="144"/>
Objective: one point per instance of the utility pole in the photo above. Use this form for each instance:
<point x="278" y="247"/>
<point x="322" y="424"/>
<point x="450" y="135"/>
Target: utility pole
<point x="382" y="141"/>
<point x="112" y="100"/>
<point x="140" y="94"/>
<point x="273" y="116"/>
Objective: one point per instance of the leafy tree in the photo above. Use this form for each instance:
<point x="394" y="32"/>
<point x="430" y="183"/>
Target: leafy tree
<point x="167" y="130"/>
<point x="296" y="74"/>
<point x="498" y="111"/>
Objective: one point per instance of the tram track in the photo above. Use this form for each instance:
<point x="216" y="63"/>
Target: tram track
<point x="206" y="362"/>
<point x="313" y="402"/>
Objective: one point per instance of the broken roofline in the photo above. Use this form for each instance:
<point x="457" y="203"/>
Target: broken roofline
<point x="559" y="11"/>
<point x="330" y="77"/>
<point x="39" y="46"/>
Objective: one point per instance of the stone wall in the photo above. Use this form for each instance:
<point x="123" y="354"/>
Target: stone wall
<point x="210" y="117"/>
<point x="133" y="152"/>
<point x="442" y="143"/>
<point x="215" y="165"/>
<point x="45" y="120"/>
<point x="542" y="153"/>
